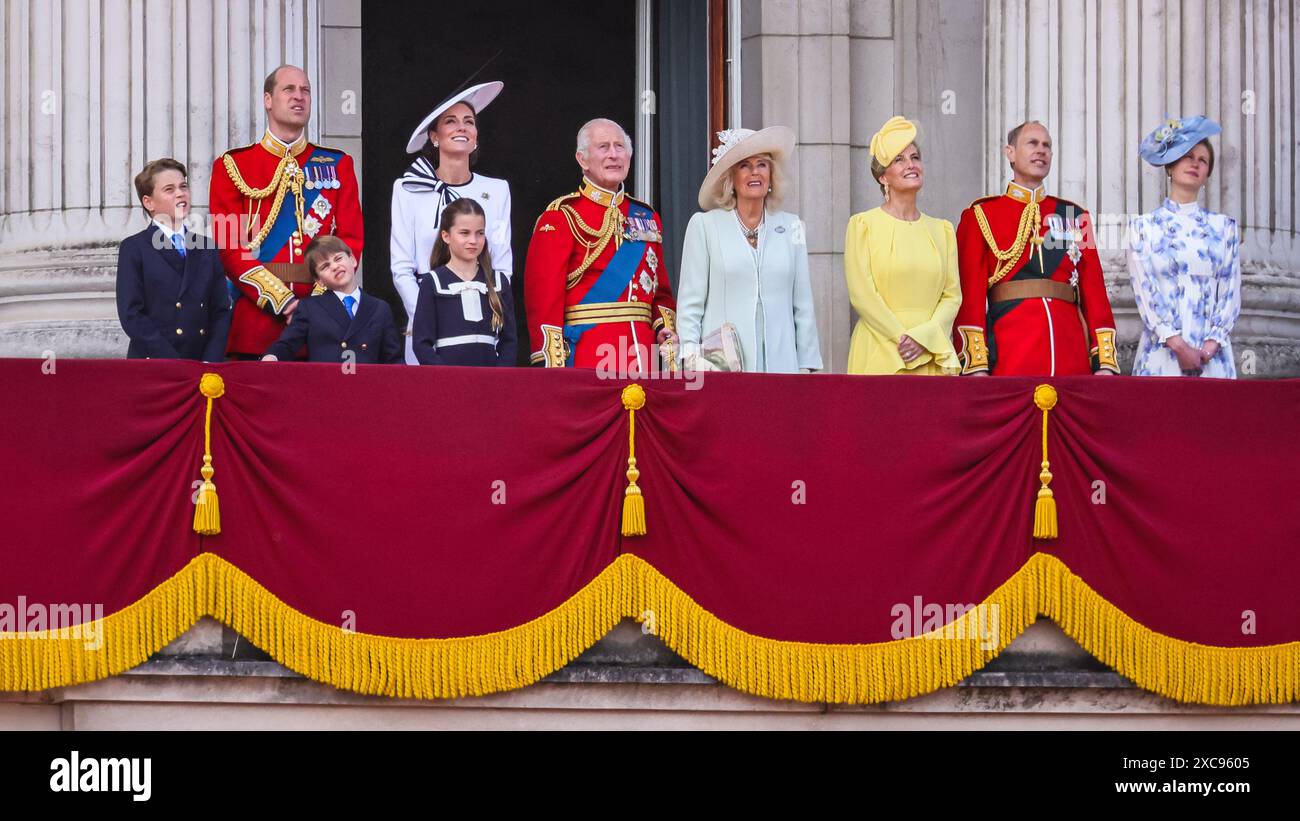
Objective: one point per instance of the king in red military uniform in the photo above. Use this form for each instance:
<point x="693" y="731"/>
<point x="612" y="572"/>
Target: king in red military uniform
<point x="1033" y="300"/>
<point x="595" y="287"/>
<point x="268" y="201"/>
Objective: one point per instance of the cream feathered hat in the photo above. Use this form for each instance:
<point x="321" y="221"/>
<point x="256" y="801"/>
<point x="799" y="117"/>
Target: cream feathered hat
<point x="739" y="144"/>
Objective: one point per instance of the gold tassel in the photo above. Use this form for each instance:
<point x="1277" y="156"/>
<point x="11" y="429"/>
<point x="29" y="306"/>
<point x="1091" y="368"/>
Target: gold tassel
<point x="633" y="501"/>
<point x="1045" y="526"/>
<point x="207" y="511"/>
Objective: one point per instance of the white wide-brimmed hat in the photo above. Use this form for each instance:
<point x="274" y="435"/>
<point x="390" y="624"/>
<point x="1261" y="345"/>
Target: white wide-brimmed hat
<point x="739" y="144"/>
<point x="478" y="98"/>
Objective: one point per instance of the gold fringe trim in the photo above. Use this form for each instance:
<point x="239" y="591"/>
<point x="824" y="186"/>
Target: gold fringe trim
<point x="373" y="665"/>
<point x="631" y="587"/>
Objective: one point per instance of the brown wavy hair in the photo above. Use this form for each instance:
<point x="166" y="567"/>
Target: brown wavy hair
<point x="441" y="254"/>
<point x="431" y="154"/>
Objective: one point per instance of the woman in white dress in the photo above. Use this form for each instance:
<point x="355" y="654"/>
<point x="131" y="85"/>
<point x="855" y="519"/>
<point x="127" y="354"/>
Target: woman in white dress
<point x="447" y="141"/>
<point x="1184" y="262"/>
<point x="745" y="263"/>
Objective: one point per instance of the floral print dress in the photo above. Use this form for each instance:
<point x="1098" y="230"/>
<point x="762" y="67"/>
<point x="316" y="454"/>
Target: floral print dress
<point x="1185" y="266"/>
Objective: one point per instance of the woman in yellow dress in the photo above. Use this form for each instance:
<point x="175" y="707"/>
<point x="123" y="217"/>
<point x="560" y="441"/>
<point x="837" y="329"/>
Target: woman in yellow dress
<point x="901" y="268"/>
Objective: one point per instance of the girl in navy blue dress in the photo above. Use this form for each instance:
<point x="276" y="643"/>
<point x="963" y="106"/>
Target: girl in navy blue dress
<point x="465" y="313"/>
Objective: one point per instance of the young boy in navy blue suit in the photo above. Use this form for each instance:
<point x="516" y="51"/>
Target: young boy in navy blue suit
<point x="342" y="319"/>
<point x="172" y="297"/>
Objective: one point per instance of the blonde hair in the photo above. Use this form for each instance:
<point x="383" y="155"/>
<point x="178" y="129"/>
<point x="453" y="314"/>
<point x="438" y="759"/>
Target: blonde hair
<point x="725" y="196"/>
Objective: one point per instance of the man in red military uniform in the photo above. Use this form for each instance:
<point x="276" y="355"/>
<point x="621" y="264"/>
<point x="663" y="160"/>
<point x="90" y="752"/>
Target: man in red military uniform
<point x="268" y="201"/>
<point x="1033" y="300"/>
<point x="595" y="287"/>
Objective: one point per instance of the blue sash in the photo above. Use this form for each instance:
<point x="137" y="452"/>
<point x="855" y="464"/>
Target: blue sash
<point x="613" y="281"/>
<point x="287" y="222"/>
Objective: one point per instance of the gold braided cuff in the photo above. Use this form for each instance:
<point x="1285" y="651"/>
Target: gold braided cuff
<point x="270" y="290"/>
<point x="554" y="352"/>
<point x="667" y="319"/>
<point x="974" y="353"/>
<point x="1106" y="353"/>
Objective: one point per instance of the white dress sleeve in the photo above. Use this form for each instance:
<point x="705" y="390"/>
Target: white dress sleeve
<point x="693" y="286"/>
<point x="1157" y="314"/>
<point x="503" y="257"/>
<point x="808" y="347"/>
<point x="402" y="246"/>
<point x="1227" y="283"/>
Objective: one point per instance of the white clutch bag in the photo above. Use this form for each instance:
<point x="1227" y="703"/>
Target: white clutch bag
<point x="721" y="351"/>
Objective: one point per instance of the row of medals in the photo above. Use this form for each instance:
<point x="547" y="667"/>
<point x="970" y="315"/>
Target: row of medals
<point x="317" y="177"/>
<point x="320" y="177"/>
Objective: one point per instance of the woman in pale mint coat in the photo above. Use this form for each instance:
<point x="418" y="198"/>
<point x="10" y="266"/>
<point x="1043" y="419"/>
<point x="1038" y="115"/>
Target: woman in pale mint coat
<point x="746" y="263"/>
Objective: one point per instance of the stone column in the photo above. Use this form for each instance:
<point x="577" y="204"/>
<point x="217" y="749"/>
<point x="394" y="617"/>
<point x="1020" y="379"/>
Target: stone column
<point x="1103" y="73"/>
<point x="94" y="90"/>
<point x="795" y="61"/>
<point x="835" y="70"/>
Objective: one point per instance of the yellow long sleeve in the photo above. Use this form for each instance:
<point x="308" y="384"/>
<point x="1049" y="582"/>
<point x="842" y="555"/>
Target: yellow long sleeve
<point x="863" y="293"/>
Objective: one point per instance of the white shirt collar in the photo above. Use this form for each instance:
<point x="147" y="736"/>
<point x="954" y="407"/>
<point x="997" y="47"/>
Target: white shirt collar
<point x="355" y="293"/>
<point x="1184" y="208"/>
<point x="167" y="230"/>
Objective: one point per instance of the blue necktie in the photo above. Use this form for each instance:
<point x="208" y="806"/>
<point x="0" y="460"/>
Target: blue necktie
<point x="350" y="302"/>
<point x="178" y="242"/>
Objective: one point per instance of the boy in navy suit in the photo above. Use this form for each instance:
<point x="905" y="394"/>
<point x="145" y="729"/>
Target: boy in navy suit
<point x="172" y="297"/>
<point x="342" y="319"/>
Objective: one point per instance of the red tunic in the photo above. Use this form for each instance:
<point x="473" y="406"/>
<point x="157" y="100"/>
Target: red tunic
<point x="1039" y="335"/>
<point x="631" y="319"/>
<point x="256" y="323"/>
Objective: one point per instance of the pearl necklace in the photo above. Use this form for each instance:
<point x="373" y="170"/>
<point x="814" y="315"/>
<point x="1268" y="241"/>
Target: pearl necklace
<point x="751" y="234"/>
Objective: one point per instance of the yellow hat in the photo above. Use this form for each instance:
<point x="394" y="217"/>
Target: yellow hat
<point x="896" y="134"/>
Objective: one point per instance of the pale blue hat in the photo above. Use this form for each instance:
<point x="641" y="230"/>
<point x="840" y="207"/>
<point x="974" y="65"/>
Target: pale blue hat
<point x="1174" y="138"/>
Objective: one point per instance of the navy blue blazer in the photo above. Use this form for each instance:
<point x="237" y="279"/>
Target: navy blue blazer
<point x="323" y="325"/>
<point x="172" y="308"/>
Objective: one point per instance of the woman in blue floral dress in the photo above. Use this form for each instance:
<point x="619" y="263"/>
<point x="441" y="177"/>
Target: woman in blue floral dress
<point x="1184" y="262"/>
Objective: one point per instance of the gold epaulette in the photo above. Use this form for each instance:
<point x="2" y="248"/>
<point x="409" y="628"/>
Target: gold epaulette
<point x="555" y="203"/>
<point x="554" y="206"/>
<point x="243" y="148"/>
<point x="983" y="199"/>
